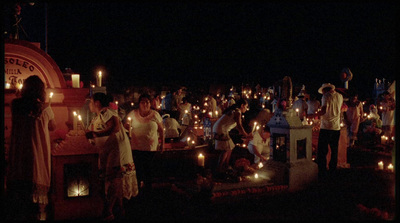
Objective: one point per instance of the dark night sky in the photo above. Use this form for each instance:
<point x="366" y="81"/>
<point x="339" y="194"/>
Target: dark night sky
<point x="227" y="43"/>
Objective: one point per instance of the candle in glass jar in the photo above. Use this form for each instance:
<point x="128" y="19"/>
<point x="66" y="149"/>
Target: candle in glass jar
<point x="75" y="80"/>
<point x="200" y="160"/>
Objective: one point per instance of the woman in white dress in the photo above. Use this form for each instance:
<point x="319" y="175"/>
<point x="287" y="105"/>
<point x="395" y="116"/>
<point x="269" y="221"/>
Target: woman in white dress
<point x="115" y="155"/>
<point x="231" y="118"/>
<point x="147" y="137"/>
<point x="29" y="157"/>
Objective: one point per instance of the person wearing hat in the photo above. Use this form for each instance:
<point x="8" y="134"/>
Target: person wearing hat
<point x="330" y="128"/>
<point x="300" y="106"/>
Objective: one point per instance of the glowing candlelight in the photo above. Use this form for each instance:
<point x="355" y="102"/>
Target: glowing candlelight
<point x="380" y="165"/>
<point x="254" y="126"/>
<point x="200" y="160"/>
<point x="8" y="85"/>
<point x="98" y="79"/>
<point x="260" y="165"/>
<point x="383" y="139"/>
<point x="256" y="176"/>
<point x="297" y="111"/>
<point x="50" y="97"/>
<point x="75" y="121"/>
<point x="390" y="167"/>
<point x="75" y="80"/>
<point x="130" y="125"/>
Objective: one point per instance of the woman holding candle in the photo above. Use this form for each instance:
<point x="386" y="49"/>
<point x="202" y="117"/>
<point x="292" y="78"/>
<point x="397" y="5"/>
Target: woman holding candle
<point x="231" y="118"/>
<point x="147" y="137"/>
<point x="29" y="156"/>
<point x="115" y="156"/>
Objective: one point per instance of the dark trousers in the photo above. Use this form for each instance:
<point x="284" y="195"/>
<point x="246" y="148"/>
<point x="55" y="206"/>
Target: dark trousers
<point x="327" y="138"/>
<point x="143" y="163"/>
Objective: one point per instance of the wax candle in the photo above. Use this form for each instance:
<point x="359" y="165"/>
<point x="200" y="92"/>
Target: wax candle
<point x="200" y="160"/>
<point x="75" y="80"/>
<point x="130" y="125"/>
<point x="98" y="79"/>
<point x="75" y="121"/>
<point x="297" y="111"/>
<point x="390" y="168"/>
<point x="50" y="97"/>
<point x="80" y="121"/>
<point x="380" y="165"/>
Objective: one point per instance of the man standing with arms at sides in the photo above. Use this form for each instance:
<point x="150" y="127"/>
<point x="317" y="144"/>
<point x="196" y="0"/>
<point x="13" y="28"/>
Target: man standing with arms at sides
<point x="330" y="129"/>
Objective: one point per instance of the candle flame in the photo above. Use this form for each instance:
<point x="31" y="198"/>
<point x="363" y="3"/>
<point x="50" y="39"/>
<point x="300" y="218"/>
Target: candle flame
<point x="75" y="114"/>
<point x="51" y="94"/>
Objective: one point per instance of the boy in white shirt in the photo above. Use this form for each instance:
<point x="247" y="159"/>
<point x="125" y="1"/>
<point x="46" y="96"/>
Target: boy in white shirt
<point x="259" y="145"/>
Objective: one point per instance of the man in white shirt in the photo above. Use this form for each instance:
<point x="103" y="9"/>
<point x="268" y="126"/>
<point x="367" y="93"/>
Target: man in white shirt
<point x="330" y="128"/>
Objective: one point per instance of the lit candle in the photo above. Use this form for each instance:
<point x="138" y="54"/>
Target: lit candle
<point x="383" y="139"/>
<point x="99" y="79"/>
<point x="380" y="165"/>
<point x="130" y="125"/>
<point x="256" y="176"/>
<point x="75" y="80"/>
<point x="260" y="165"/>
<point x="390" y="168"/>
<point x="254" y="126"/>
<point x="50" y="97"/>
<point x="75" y="121"/>
<point x="297" y="111"/>
<point x="200" y="160"/>
<point x="8" y="85"/>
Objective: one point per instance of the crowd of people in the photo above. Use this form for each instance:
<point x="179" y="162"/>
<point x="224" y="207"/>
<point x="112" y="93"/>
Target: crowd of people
<point x="128" y="143"/>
